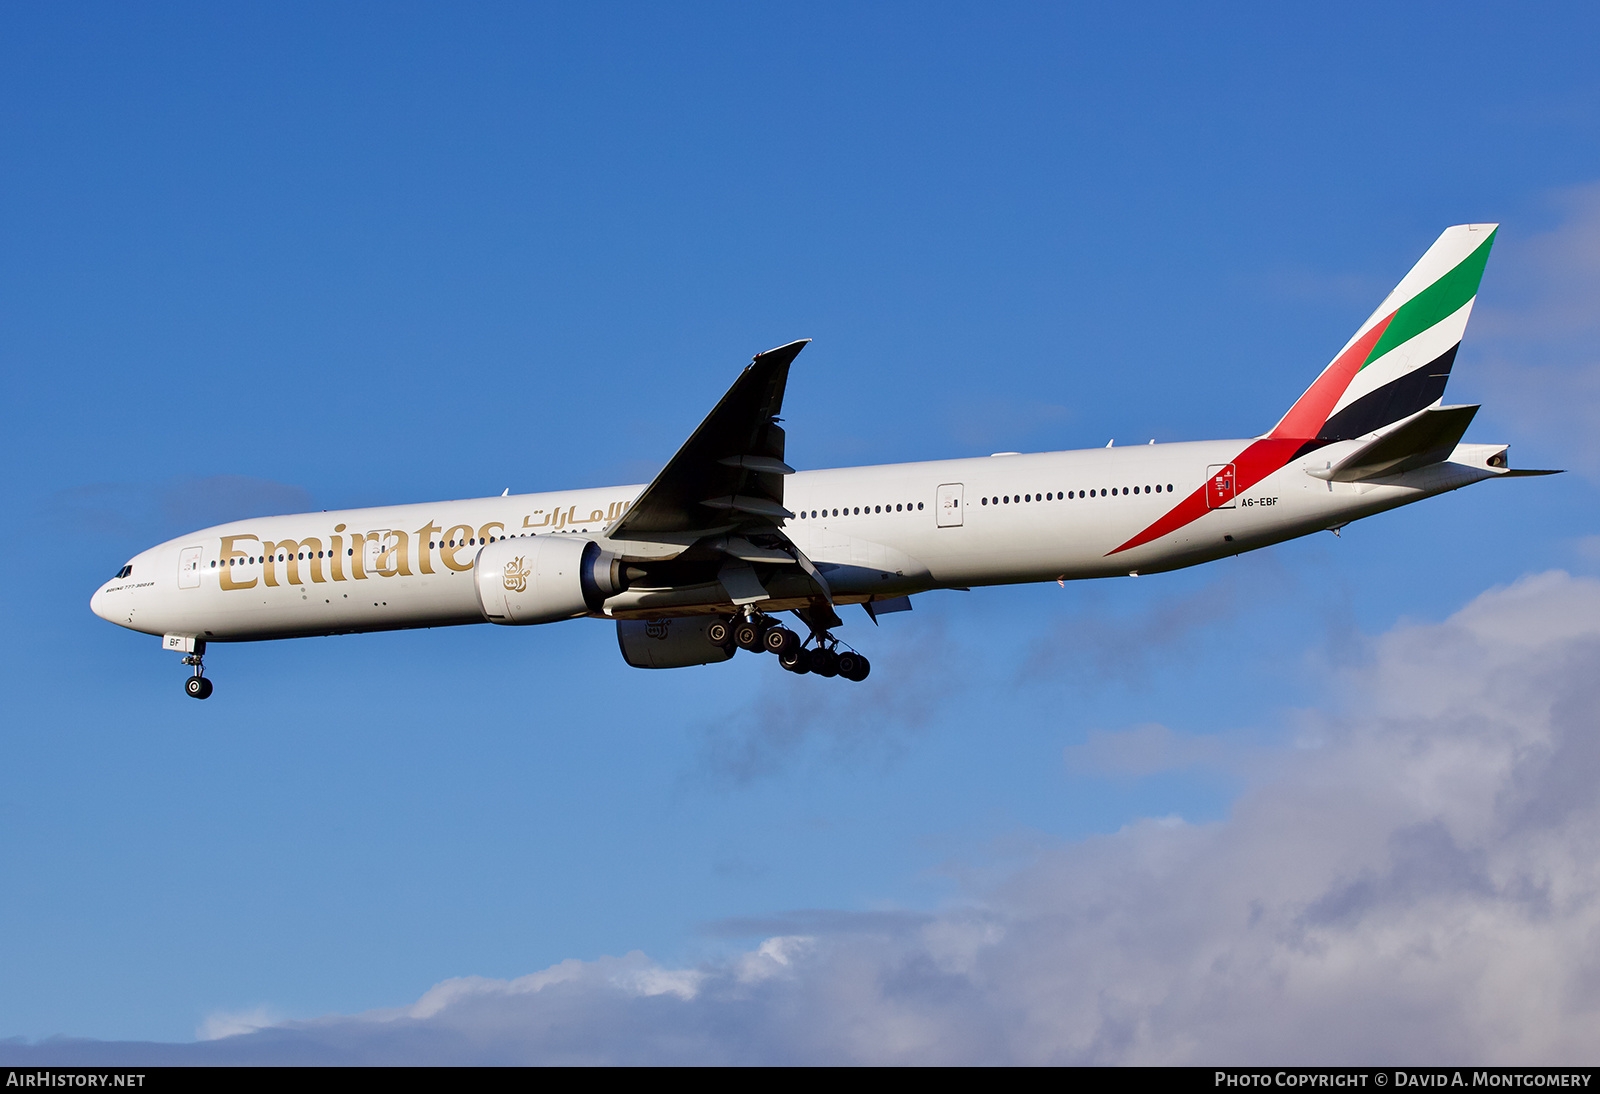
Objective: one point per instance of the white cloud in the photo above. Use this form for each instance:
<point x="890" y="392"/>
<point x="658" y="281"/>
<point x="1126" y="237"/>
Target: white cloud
<point x="1417" y="879"/>
<point x="232" y="1023"/>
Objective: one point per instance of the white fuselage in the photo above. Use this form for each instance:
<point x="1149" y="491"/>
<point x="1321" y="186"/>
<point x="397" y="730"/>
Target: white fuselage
<point x="1065" y="515"/>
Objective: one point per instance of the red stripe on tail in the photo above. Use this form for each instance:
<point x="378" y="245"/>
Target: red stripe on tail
<point x="1311" y="410"/>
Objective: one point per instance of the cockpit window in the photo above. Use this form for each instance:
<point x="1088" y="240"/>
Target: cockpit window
<point x="124" y="572"/>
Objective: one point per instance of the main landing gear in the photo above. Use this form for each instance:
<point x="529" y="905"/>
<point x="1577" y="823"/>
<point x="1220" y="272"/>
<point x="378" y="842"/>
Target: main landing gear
<point x="762" y="634"/>
<point x="197" y="686"/>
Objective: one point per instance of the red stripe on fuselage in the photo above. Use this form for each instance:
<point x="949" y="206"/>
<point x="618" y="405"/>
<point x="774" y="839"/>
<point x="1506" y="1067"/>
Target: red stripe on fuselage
<point x="1303" y="422"/>
<point x="1255" y="463"/>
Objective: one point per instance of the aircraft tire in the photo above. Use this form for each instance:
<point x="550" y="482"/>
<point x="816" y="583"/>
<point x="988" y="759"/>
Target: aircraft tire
<point x="780" y="640"/>
<point x="748" y="636"/>
<point x="197" y="687"/>
<point x="797" y="660"/>
<point x="720" y="634"/>
<point x="852" y="666"/>
<point x="824" y="662"/>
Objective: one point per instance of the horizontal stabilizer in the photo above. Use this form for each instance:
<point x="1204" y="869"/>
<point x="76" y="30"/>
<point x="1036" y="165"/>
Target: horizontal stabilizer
<point x="1524" y="472"/>
<point x="1428" y="436"/>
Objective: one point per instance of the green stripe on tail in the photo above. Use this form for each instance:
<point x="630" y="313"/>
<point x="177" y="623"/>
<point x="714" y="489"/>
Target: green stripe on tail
<point x="1438" y="301"/>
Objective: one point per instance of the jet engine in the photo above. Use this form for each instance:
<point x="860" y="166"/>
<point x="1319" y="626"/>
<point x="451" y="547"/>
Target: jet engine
<point x="543" y="579"/>
<point x="672" y="643"/>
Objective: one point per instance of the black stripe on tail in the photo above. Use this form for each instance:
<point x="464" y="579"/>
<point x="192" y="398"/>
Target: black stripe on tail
<point x="1419" y="388"/>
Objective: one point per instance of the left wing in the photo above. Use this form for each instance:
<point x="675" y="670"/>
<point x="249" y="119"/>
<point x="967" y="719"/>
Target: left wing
<point x="722" y="492"/>
<point x="729" y="473"/>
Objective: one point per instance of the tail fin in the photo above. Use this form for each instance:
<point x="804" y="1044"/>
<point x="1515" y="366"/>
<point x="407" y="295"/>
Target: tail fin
<point x="1399" y="361"/>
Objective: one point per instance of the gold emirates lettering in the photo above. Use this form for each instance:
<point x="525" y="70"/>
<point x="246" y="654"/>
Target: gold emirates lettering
<point x="394" y="552"/>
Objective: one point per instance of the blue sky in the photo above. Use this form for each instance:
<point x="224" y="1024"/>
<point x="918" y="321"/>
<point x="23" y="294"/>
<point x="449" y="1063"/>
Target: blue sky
<point x="275" y="257"/>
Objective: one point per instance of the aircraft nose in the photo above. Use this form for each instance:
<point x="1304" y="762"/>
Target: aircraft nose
<point x="97" y="603"/>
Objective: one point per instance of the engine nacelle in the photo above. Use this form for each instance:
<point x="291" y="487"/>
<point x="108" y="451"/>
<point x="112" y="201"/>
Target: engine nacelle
<point x="543" y="579"/>
<point x="672" y="643"/>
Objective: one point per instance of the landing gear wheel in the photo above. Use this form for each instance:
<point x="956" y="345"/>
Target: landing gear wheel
<point x="824" y="662"/>
<point x="748" y="634"/>
<point x="780" y="640"/>
<point x="797" y="660"/>
<point x="197" y="687"/>
<point x="720" y="634"/>
<point x="852" y="666"/>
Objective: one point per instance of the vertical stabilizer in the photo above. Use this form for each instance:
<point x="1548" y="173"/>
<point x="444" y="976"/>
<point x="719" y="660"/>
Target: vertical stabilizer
<point x="1399" y="361"/>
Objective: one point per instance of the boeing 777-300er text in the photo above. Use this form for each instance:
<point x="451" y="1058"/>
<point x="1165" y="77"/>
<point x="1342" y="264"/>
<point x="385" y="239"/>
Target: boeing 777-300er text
<point x="695" y="565"/>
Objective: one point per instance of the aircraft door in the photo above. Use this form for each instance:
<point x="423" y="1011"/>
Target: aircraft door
<point x="1219" y="486"/>
<point x="189" y="567"/>
<point x="949" y="502"/>
<point x="377" y="542"/>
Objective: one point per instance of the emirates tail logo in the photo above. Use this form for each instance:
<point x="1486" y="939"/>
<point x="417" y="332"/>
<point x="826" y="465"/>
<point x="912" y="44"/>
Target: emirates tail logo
<point x="516" y="579"/>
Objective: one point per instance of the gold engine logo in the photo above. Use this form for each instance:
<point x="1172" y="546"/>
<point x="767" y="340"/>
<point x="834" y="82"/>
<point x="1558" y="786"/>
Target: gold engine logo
<point x="516" y="579"/>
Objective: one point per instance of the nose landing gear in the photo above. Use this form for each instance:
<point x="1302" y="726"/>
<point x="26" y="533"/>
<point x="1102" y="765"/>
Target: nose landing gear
<point x="197" y="686"/>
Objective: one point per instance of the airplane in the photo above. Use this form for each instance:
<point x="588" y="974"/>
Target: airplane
<point x="696" y="565"/>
